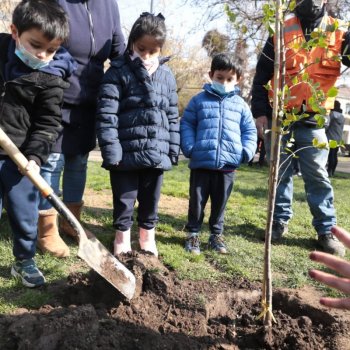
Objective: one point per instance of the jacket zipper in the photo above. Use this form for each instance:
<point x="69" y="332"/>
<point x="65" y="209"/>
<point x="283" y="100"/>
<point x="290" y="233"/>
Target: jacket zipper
<point x="91" y="23"/>
<point x="220" y="132"/>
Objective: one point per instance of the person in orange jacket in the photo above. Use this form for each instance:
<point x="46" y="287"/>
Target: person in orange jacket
<point x="322" y="68"/>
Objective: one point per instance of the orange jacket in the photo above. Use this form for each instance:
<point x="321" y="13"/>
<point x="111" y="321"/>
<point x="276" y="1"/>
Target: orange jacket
<point x="321" y="64"/>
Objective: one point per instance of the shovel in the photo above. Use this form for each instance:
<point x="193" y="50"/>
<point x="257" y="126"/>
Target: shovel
<point x="91" y="249"/>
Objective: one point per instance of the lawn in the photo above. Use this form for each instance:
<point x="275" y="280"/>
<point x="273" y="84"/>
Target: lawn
<point x="244" y="227"/>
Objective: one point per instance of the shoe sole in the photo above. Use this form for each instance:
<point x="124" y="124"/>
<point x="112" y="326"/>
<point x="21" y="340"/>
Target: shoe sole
<point x="17" y="275"/>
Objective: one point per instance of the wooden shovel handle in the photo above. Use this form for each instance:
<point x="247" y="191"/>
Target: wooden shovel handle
<point x="15" y="154"/>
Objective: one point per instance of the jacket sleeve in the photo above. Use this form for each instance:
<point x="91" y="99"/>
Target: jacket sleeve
<point x="173" y="118"/>
<point x="118" y="40"/>
<point x="46" y="124"/>
<point x="107" y="120"/>
<point x="188" y="128"/>
<point x="263" y="74"/>
<point x="248" y="135"/>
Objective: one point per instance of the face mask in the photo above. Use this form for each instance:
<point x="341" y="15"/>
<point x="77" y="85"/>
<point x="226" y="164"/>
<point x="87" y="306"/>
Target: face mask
<point x="309" y="9"/>
<point x="28" y="59"/>
<point x="150" y="64"/>
<point x="222" y="89"/>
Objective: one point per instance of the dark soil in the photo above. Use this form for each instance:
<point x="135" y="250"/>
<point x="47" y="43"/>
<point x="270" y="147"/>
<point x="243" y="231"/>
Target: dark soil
<point x="168" y="313"/>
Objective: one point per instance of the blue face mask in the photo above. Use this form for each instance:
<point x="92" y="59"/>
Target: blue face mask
<point x="28" y="59"/>
<point x="222" y="89"/>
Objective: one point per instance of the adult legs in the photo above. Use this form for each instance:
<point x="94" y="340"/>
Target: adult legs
<point x="319" y="191"/>
<point x="284" y="192"/>
<point x="332" y="160"/>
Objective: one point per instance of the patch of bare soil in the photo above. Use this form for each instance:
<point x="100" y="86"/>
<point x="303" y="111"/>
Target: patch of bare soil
<point x="86" y="312"/>
<point x="167" y="313"/>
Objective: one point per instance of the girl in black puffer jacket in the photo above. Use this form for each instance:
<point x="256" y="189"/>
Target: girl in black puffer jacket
<point x="138" y="131"/>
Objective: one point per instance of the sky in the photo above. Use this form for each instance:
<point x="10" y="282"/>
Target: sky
<point x="182" y="20"/>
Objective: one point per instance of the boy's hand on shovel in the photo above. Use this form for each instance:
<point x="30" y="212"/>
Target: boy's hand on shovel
<point x="31" y="166"/>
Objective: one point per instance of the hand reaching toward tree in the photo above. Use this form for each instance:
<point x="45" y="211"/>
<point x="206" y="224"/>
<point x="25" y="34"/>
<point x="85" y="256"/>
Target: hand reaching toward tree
<point x="340" y="266"/>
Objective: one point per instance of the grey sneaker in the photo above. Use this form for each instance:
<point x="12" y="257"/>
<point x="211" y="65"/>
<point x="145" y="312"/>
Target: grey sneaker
<point x="216" y="242"/>
<point x="192" y="244"/>
<point x="28" y="272"/>
<point x="278" y="230"/>
<point x="331" y="244"/>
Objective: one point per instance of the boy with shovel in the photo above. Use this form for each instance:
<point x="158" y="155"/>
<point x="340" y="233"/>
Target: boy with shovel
<point x="32" y="79"/>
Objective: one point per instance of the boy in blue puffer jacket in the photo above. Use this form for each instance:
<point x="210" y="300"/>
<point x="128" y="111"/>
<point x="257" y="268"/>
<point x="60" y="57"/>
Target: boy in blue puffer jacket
<point x="218" y="133"/>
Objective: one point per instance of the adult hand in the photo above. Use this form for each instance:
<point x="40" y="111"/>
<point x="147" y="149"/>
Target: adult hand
<point x="340" y="266"/>
<point x="261" y="124"/>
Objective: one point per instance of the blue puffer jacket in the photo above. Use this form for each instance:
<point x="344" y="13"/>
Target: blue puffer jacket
<point x="217" y="132"/>
<point x="137" y="117"/>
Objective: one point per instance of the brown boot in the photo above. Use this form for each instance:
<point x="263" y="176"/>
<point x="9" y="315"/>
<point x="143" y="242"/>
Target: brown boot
<point x="49" y="239"/>
<point x="75" y="208"/>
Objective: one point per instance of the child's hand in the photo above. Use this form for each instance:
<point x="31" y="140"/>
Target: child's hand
<point x="31" y="166"/>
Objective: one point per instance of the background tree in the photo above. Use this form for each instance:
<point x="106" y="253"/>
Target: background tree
<point x="215" y="42"/>
<point x="6" y="8"/>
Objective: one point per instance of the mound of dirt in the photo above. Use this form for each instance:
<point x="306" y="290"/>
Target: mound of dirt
<point x="168" y="313"/>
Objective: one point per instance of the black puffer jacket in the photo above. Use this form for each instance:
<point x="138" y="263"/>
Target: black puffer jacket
<point x="30" y="104"/>
<point x="137" y="117"/>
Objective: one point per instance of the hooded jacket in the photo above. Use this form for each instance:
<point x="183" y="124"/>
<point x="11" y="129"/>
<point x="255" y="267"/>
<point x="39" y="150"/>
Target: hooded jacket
<point x="31" y="100"/>
<point x="95" y="37"/>
<point x="217" y="132"/>
<point x="137" y="116"/>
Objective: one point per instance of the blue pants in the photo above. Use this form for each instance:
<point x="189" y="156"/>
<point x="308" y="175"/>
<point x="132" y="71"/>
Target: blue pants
<point x="204" y="184"/>
<point x="319" y="191"/>
<point x="22" y="208"/>
<point x="74" y="168"/>
<point x="127" y="186"/>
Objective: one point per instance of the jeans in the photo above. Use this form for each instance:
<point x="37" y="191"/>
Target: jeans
<point x="74" y="168"/>
<point x="319" y="191"/>
<point x="22" y="208"/>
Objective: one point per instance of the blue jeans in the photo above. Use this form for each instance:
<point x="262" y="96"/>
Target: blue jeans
<point x="319" y="191"/>
<point x="22" y="208"/>
<point x="74" y="168"/>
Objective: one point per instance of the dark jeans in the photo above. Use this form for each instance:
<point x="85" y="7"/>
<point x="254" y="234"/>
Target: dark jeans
<point x="204" y="184"/>
<point x="127" y="186"/>
<point x="22" y="200"/>
<point x="332" y="160"/>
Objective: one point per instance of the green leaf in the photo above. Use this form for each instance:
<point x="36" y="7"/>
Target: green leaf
<point x="305" y="77"/>
<point x="332" y="92"/>
<point x="333" y="144"/>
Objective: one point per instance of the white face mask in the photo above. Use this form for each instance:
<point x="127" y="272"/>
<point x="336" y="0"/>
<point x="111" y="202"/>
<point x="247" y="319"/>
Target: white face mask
<point x="151" y="64"/>
<point x="223" y="89"/>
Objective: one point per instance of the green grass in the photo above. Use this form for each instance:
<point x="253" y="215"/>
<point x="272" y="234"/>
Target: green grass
<point x="244" y="226"/>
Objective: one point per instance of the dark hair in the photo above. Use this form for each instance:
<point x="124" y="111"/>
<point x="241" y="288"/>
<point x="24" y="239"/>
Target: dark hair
<point x="225" y="61"/>
<point x="337" y="106"/>
<point x="148" y="24"/>
<point x="44" y="15"/>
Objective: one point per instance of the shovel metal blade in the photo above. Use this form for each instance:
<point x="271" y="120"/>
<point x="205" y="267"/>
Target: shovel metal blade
<point x="104" y="263"/>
